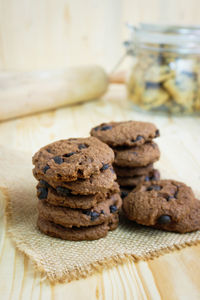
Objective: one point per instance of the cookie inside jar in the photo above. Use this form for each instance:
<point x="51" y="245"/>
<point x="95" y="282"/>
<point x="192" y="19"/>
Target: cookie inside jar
<point x="165" y="73"/>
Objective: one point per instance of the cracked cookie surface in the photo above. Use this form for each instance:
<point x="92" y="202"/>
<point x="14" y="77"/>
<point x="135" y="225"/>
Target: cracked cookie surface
<point x="97" y="183"/>
<point x="164" y="204"/>
<point x="69" y="160"/>
<point x="128" y="133"/>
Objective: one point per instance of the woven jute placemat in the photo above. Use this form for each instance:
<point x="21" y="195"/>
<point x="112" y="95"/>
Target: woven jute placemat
<point x="65" y="260"/>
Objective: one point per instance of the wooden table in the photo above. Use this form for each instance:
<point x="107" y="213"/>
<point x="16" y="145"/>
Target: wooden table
<point x="172" y="276"/>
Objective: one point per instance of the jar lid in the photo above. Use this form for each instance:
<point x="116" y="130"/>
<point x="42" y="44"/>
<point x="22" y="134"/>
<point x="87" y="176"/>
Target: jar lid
<point x="182" y="39"/>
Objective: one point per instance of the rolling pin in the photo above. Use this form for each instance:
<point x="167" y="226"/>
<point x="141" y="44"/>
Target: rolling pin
<point x="23" y="93"/>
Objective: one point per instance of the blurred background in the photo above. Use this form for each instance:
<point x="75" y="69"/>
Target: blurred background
<point x="46" y="34"/>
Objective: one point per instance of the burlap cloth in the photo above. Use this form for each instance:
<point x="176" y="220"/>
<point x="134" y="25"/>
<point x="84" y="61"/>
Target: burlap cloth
<point x="65" y="260"/>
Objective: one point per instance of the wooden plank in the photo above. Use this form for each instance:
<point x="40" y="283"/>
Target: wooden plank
<point x="53" y="34"/>
<point x="49" y="34"/>
<point x="171" y="276"/>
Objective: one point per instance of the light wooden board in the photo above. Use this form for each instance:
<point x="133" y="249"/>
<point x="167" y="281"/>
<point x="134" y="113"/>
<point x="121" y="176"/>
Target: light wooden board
<point x="172" y="276"/>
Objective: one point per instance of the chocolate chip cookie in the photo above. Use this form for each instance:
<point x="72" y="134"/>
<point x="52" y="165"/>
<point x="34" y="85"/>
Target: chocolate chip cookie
<point x="75" y="233"/>
<point x="164" y="204"/>
<point x="128" y="133"/>
<point x="135" y="180"/>
<point x="101" y="183"/>
<point x="130" y="172"/>
<point x="69" y="217"/>
<point x="98" y="183"/>
<point x="62" y="196"/>
<point x="138" y="156"/>
<point x="68" y="160"/>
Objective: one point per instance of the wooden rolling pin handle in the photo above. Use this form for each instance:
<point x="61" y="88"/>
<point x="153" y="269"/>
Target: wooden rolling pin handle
<point x="118" y="77"/>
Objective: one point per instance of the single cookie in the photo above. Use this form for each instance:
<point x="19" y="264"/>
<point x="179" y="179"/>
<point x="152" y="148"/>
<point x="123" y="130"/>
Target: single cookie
<point x="68" y="160"/>
<point x="98" y="183"/>
<point x="69" y="217"/>
<point x="62" y="196"/>
<point x="138" y="156"/>
<point x="164" y="204"/>
<point x="183" y="89"/>
<point x="77" y="234"/>
<point x="129" y="133"/>
<point x="154" y="97"/>
<point x="130" y="172"/>
<point x="135" y="180"/>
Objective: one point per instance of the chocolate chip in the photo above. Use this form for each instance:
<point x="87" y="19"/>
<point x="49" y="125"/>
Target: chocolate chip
<point x="58" y="160"/>
<point x="96" y="128"/>
<point x="150" y="188"/>
<point x="153" y="85"/>
<point x="106" y="127"/>
<point x="102" y="212"/>
<point x="94" y="215"/>
<point x="157" y="187"/>
<point x="82" y="146"/>
<point x="147" y="178"/>
<point x="43" y="192"/>
<point x="113" y="208"/>
<point x="157" y="133"/>
<point x="176" y="194"/>
<point x="154" y="187"/>
<point x="48" y="150"/>
<point x="105" y="167"/>
<point x="69" y="154"/>
<point x="138" y="138"/>
<point x="44" y="183"/>
<point x="62" y="191"/>
<point x="164" y="219"/>
<point x="124" y="194"/>
<point x="168" y="198"/>
<point x="45" y="169"/>
<point x="80" y="172"/>
<point x="86" y="212"/>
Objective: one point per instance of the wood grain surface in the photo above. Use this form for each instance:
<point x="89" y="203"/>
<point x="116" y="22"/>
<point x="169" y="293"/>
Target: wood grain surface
<point x="172" y="276"/>
<point x="45" y="34"/>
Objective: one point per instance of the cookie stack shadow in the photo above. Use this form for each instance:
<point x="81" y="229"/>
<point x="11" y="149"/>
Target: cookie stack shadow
<point x="135" y="152"/>
<point x="77" y="190"/>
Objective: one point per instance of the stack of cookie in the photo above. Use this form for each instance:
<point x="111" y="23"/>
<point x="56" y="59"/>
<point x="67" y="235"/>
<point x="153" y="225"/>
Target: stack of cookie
<point x="135" y="152"/>
<point x="78" y="195"/>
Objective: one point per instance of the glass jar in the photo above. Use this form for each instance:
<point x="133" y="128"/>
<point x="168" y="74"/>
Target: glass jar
<point x="165" y="75"/>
